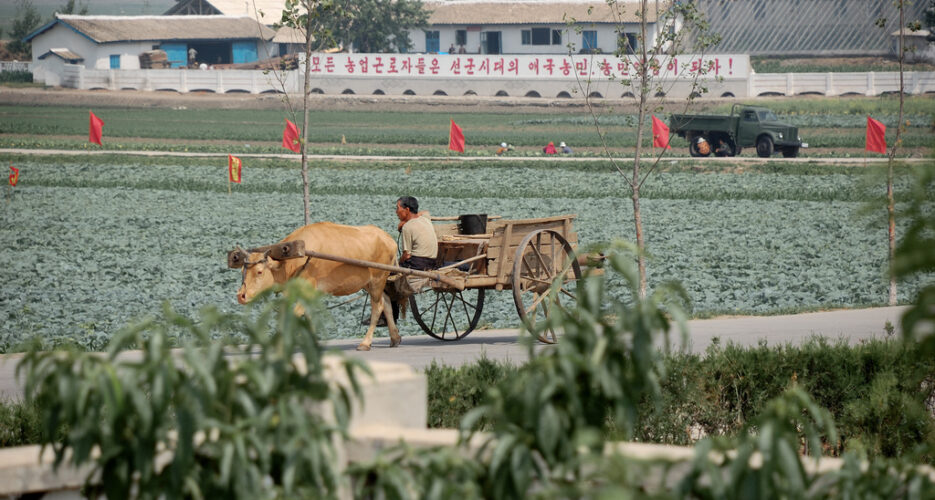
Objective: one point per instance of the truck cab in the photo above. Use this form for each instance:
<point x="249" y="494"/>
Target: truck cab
<point x="761" y="127"/>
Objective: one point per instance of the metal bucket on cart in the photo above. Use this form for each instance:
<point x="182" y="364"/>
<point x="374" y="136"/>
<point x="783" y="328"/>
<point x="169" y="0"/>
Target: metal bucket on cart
<point x="472" y="224"/>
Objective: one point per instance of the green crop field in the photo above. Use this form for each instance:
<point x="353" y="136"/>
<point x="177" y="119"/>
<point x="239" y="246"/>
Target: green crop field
<point x="90" y="244"/>
<point x="832" y="127"/>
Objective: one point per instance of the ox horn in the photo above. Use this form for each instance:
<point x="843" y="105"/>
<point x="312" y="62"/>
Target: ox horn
<point x="236" y="258"/>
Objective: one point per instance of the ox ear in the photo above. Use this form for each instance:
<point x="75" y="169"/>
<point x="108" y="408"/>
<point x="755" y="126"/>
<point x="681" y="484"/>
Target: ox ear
<point x="273" y="264"/>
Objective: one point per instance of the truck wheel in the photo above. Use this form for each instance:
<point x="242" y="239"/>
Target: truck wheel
<point x="790" y="152"/>
<point x="764" y="147"/>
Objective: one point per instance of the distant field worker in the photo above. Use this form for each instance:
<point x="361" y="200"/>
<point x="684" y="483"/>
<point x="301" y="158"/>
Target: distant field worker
<point x="549" y="148"/>
<point x="504" y="147"/>
<point x="565" y="149"/>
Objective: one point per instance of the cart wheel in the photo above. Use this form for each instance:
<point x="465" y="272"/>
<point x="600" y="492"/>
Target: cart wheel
<point x="448" y="315"/>
<point x="541" y="258"/>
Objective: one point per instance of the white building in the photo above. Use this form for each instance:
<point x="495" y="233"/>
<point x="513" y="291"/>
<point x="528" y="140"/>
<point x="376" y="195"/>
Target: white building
<point x="535" y="27"/>
<point x="116" y="42"/>
<point x="486" y="27"/>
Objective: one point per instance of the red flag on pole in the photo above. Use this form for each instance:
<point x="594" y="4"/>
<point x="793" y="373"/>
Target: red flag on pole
<point x="660" y="134"/>
<point x="14" y="177"/>
<point x="95" y="130"/>
<point x="876" y="136"/>
<point x="290" y="137"/>
<point x="234" y="166"/>
<point x="456" y="138"/>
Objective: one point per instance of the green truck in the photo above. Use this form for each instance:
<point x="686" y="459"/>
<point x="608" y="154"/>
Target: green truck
<point x="746" y="126"/>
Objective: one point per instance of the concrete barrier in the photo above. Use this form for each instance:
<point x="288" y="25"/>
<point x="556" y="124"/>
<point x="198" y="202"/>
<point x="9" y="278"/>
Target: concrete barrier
<point x="290" y="82"/>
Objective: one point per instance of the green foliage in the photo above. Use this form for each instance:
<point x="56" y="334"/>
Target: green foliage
<point x="432" y="474"/>
<point x="27" y="20"/>
<point x="16" y="76"/>
<point x="452" y="392"/>
<point x="777" y="436"/>
<point x="547" y="420"/>
<point x="19" y="423"/>
<point x="381" y="25"/>
<point x="764" y="462"/>
<point x="914" y="257"/>
<point x="73" y="7"/>
<point x="824" y="123"/>
<point x="203" y="421"/>
<point x="875" y="390"/>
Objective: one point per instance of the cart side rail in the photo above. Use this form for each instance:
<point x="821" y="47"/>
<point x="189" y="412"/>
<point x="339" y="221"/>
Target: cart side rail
<point x="507" y="236"/>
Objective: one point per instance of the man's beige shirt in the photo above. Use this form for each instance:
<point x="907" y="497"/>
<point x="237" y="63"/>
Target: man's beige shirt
<point x="419" y="238"/>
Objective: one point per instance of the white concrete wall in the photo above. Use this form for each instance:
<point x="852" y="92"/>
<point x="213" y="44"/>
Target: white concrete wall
<point x="735" y="81"/>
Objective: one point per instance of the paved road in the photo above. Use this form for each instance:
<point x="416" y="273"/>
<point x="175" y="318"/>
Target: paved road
<point x="854" y="325"/>
<point x="419" y="351"/>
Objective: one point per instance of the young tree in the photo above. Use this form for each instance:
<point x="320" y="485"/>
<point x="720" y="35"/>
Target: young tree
<point x="314" y="20"/>
<point x="70" y="7"/>
<point x="900" y="127"/>
<point x="680" y="29"/>
<point x="371" y="25"/>
<point x="27" y="20"/>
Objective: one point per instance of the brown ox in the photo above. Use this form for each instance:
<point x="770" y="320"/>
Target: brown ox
<point x="368" y="243"/>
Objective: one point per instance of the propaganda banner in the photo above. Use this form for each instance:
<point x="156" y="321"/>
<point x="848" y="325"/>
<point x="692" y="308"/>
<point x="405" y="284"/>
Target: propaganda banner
<point x="594" y="67"/>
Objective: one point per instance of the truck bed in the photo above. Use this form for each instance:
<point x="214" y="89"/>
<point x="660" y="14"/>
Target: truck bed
<point x="680" y="124"/>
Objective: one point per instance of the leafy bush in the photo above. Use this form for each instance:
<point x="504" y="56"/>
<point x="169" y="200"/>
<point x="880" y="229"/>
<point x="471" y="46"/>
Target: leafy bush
<point x="206" y="421"/>
<point x="16" y="76"/>
<point x="19" y="423"/>
<point x="547" y="421"/>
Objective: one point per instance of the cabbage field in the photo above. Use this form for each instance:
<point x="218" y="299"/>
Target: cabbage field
<point x="90" y="244"/>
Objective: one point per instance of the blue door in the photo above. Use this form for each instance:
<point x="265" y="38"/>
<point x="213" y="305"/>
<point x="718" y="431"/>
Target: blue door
<point x="431" y="42"/>
<point x="244" y="52"/>
<point x="177" y="53"/>
<point x="115" y="61"/>
<point x="589" y="40"/>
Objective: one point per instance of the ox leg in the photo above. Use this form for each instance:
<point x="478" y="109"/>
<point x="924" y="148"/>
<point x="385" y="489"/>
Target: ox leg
<point x="376" y="308"/>
<point x="395" y="339"/>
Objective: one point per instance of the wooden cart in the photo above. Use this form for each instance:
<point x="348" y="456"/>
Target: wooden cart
<point x="524" y="255"/>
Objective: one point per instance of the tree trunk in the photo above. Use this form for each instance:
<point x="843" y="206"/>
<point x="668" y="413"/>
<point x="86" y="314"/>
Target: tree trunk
<point x="645" y="88"/>
<point x="890" y="198"/>
<point x="305" y="92"/>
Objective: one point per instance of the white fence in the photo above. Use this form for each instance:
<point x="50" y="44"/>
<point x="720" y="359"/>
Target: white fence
<point x="15" y="66"/>
<point x="258" y="82"/>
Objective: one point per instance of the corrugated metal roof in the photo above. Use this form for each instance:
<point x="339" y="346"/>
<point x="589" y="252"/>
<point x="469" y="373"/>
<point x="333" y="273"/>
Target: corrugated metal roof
<point x="103" y="29"/>
<point x="805" y="27"/>
<point x="532" y="12"/>
<point x="64" y="54"/>
<point x="477" y="11"/>
<point x="268" y="11"/>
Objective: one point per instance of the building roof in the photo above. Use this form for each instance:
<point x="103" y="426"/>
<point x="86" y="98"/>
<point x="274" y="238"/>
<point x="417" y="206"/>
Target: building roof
<point x="290" y="35"/>
<point x="64" y="54"/>
<point x="105" y="29"/>
<point x="534" y="12"/>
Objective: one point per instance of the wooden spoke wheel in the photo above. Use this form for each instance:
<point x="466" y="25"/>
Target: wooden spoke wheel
<point x="543" y="257"/>
<point x="448" y="314"/>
